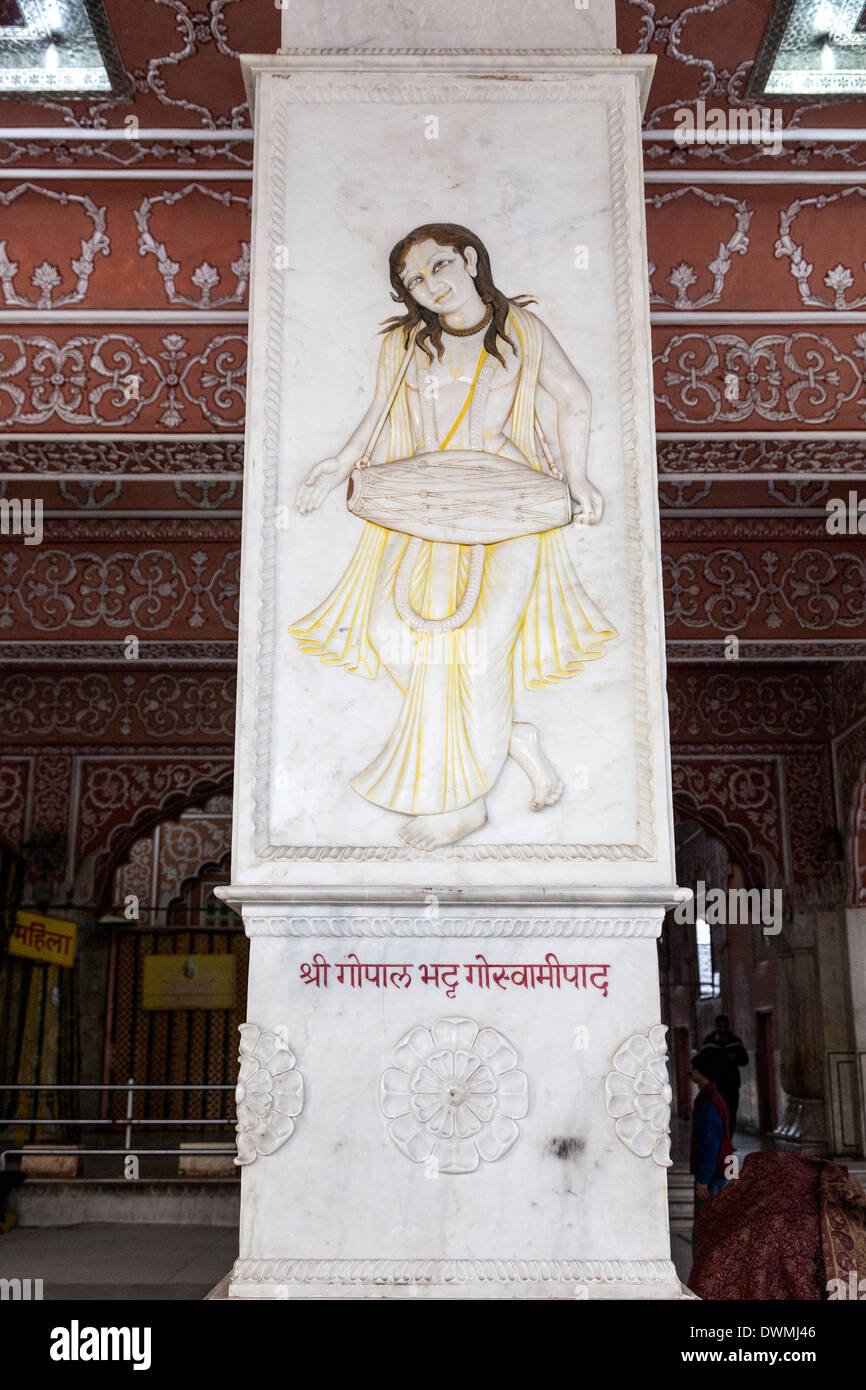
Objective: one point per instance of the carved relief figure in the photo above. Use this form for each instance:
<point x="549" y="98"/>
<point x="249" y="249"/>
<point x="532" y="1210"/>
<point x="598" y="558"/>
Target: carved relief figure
<point x="465" y="569"/>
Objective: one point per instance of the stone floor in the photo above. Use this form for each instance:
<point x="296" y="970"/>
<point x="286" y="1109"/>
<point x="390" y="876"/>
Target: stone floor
<point x="102" y="1260"/>
<point x="99" y="1261"/>
<point x="681" y="1254"/>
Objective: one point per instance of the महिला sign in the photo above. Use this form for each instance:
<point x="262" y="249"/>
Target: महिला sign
<point x="47" y="939"/>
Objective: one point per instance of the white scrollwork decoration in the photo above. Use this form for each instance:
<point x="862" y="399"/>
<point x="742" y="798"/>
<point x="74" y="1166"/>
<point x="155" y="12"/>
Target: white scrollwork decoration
<point x="269" y="1094"/>
<point x="108" y="379"/>
<point x="838" y="278"/>
<point x="637" y="1095"/>
<point x="46" y="278"/>
<point x="778" y="376"/>
<point x="683" y="276"/>
<point x="205" y="277"/>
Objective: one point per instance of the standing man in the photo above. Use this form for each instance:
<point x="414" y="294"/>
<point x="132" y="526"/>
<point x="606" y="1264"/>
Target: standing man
<point x="732" y="1056"/>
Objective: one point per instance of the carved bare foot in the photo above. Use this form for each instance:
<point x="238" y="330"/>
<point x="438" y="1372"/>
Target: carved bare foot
<point x="432" y="832"/>
<point x="525" y="749"/>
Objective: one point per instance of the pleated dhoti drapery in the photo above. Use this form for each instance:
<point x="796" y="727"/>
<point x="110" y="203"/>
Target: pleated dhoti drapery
<point x="452" y="733"/>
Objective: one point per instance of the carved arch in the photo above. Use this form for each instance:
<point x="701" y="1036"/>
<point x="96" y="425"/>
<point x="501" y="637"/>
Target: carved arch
<point x="205" y="870"/>
<point x="95" y="875"/>
<point x="760" y="868"/>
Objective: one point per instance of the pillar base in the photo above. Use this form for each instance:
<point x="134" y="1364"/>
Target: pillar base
<point x="803" y="1127"/>
<point x="412" y="1109"/>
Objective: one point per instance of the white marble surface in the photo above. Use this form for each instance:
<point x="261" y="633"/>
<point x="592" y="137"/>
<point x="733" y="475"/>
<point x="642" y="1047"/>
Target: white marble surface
<point x="567" y="1189"/>
<point x="553" y="24"/>
<point x="583" y="721"/>
<point x="567" y="1198"/>
<point x="337" y="218"/>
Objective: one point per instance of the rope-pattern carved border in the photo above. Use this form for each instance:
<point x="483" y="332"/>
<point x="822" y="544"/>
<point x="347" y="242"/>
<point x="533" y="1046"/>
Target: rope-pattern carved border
<point x="457" y="927"/>
<point x="263" y="1271"/>
<point x="266" y="585"/>
<point x="628" y="372"/>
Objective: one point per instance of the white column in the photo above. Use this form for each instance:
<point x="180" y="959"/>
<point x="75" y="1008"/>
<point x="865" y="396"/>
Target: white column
<point x="453" y="1071"/>
<point x="855" y="1066"/>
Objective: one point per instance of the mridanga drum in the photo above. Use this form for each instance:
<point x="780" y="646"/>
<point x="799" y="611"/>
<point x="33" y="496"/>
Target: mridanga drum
<point x="456" y="496"/>
<point x="462" y="496"/>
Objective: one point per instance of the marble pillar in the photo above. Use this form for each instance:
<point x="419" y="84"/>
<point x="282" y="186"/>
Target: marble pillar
<point x="803" y="1125"/>
<point x="452" y="824"/>
<point x="852" y="1064"/>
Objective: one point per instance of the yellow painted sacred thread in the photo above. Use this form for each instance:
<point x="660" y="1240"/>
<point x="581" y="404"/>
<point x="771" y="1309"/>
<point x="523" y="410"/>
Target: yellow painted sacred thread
<point x="466" y="404"/>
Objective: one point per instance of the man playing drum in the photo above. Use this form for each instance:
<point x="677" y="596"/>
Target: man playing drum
<point x="471" y="361"/>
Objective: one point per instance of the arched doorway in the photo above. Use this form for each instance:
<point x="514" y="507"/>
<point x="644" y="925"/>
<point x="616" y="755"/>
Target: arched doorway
<point x="178" y="972"/>
<point x="715" y="958"/>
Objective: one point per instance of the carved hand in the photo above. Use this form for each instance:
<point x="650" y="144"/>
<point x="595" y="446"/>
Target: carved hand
<point x="322" y="478"/>
<point x="589" y="503"/>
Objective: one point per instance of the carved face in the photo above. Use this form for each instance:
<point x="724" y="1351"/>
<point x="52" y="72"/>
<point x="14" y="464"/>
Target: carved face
<point x="439" y="278"/>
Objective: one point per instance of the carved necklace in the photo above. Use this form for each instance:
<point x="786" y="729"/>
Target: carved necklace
<point x="468" y="332"/>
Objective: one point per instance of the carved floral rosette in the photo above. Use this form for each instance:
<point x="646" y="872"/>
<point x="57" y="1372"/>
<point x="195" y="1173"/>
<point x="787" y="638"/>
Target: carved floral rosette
<point x="269" y="1094"/>
<point x="454" y="1095"/>
<point x="637" y="1094"/>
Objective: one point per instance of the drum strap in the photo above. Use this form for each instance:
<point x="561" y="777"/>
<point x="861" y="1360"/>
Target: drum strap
<point x="466" y="404"/>
<point x="545" y="449"/>
<point x="364" y="460"/>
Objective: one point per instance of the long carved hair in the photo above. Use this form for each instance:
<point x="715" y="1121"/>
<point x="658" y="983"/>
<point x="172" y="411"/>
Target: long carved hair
<point x="449" y="234"/>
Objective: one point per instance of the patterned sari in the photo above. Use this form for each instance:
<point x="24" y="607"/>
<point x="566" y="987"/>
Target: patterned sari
<point x="785" y="1229"/>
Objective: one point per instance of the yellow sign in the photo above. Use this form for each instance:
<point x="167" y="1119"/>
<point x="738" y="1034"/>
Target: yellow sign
<point x="44" y="938"/>
<point x="188" y="982"/>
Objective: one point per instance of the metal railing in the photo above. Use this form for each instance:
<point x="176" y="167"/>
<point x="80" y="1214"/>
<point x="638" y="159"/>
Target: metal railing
<point x="129" y="1121"/>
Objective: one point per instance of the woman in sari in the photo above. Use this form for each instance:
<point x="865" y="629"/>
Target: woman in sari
<point x="478" y="360"/>
<point x="790" y="1227"/>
